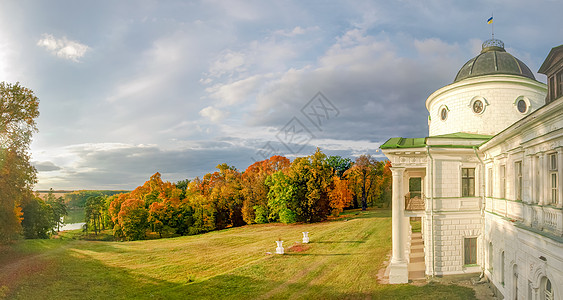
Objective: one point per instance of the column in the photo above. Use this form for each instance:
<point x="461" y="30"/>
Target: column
<point x="398" y="272"/>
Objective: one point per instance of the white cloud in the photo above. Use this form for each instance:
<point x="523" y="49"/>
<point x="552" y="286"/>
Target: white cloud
<point x="213" y="114"/>
<point x="63" y="48"/>
<point x="238" y="91"/>
<point x="297" y="30"/>
<point x="227" y="63"/>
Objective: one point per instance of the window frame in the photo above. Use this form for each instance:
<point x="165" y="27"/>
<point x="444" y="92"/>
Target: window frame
<point x="470" y="180"/>
<point x="490" y="257"/>
<point x="443" y="113"/>
<point x="548" y="293"/>
<point x="518" y="179"/>
<point x="469" y="247"/>
<point x="553" y="178"/>
<point x="559" y="83"/>
<point x="526" y="102"/>
<point x="502" y="178"/>
<point x="552" y="88"/>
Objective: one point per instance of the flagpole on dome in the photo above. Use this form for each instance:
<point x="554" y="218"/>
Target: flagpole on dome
<point x="490" y="21"/>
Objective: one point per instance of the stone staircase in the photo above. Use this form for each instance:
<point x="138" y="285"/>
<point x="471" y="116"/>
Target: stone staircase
<point x="416" y="265"/>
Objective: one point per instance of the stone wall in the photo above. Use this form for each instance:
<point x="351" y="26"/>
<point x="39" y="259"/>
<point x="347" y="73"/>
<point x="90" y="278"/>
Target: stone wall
<point x="450" y="229"/>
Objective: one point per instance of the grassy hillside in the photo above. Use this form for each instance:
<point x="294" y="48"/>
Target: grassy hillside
<point x="341" y="261"/>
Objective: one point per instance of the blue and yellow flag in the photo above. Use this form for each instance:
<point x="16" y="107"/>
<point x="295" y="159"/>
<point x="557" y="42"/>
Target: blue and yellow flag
<point x="490" y="20"/>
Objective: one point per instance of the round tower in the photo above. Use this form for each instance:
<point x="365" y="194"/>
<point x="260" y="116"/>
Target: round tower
<point x="490" y="92"/>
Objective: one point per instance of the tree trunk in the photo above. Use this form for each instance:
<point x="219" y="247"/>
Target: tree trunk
<point x="364" y="200"/>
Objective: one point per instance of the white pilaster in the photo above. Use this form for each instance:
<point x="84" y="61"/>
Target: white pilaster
<point x="560" y="177"/>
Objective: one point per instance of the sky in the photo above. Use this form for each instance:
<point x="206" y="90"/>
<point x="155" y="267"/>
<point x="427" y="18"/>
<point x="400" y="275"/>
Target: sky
<point x="131" y="88"/>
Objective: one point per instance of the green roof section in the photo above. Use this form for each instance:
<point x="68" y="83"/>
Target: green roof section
<point x="399" y="142"/>
<point x="464" y="135"/>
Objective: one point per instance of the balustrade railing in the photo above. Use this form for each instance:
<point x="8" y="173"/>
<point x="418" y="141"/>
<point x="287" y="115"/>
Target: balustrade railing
<point x="552" y="219"/>
<point x="543" y="217"/>
<point x="414" y="201"/>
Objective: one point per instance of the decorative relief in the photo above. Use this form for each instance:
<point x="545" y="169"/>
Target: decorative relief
<point x="410" y="160"/>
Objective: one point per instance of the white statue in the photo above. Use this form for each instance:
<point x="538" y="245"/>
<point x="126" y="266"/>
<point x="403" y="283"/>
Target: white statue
<point x="305" y="237"/>
<point x="279" y="249"/>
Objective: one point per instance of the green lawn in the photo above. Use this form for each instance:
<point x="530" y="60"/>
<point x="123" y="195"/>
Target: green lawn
<point x="341" y="261"/>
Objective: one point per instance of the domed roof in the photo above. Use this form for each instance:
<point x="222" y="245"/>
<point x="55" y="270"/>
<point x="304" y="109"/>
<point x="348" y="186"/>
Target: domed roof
<point x="493" y="59"/>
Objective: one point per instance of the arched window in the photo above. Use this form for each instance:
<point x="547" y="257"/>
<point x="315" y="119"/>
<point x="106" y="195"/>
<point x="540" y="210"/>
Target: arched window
<point x="490" y="258"/>
<point x="502" y="268"/>
<point x="547" y="289"/>
<point x="515" y="282"/>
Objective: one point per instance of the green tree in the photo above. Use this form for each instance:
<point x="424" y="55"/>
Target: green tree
<point x="37" y="219"/>
<point x="94" y="214"/>
<point x="183" y="186"/>
<point x="339" y="165"/>
<point x="281" y="200"/>
<point x="59" y="208"/>
<point x="19" y="108"/>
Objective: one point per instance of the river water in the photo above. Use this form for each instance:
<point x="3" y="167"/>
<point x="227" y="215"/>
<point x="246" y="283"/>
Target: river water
<point x="72" y="226"/>
<point x="74" y="220"/>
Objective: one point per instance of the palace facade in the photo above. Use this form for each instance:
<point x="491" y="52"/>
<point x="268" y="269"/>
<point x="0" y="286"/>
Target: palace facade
<point x="487" y="180"/>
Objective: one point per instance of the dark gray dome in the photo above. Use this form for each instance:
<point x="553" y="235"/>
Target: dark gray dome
<point x="493" y="59"/>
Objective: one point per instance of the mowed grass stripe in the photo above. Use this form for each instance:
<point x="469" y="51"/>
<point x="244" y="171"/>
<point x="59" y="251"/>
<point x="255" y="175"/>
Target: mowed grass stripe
<point x="341" y="262"/>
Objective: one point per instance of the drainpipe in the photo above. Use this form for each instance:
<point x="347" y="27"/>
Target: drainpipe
<point x="431" y="171"/>
<point x="482" y="211"/>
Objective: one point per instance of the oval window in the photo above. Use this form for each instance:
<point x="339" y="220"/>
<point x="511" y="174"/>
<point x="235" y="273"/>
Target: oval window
<point x="444" y="114"/>
<point x="522" y="106"/>
<point x="478" y="106"/>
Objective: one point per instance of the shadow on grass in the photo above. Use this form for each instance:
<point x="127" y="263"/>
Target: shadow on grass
<point x="337" y="242"/>
<point x="229" y="286"/>
<point x="318" y="254"/>
<point x="70" y="275"/>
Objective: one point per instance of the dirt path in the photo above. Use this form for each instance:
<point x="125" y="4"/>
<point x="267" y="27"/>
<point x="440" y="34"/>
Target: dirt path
<point x="482" y="290"/>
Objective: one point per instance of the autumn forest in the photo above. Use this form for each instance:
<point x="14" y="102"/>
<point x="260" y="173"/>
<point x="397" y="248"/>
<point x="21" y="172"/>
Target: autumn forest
<point x="309" y="189"/>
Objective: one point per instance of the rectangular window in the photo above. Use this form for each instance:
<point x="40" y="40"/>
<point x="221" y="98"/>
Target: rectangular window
<point x="502" y="181"/>
<point x="551" y="94"/>
<point x="553" y="177"/>
<point x="518" y="173"/>
<point x="468" y="182"/>
<point x="470" y="251"/>
<point x="559" y="84"/>
<point x="415" y="187"/>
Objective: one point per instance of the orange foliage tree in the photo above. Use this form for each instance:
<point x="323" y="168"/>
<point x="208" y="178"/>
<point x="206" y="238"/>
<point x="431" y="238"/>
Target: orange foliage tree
<point x="340" y="195"/>
<point x="255" y="190"/>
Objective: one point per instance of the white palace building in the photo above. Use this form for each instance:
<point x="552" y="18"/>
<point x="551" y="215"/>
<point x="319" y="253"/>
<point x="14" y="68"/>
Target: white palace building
<point x="487" y="181"/>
